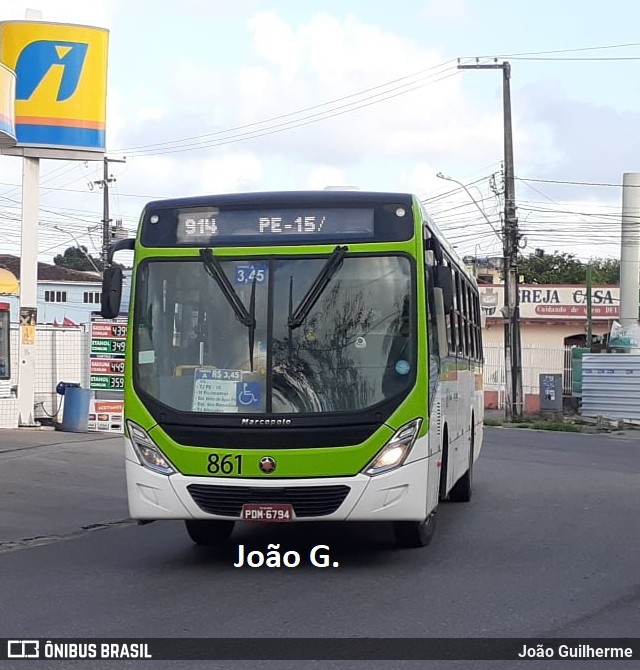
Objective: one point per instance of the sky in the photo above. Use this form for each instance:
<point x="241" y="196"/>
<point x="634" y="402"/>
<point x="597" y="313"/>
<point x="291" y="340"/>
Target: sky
<point x="213" y="96"/>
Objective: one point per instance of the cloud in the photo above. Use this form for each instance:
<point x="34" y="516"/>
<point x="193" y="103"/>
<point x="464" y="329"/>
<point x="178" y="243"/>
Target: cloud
<point x="275" y="42"/>
<point x="269" y="100"/>
<point x="422" y="113"/>
<point x="326" y="175"/>
<point x="155" y="177"/>
<point x="421" y="179"/>
<point x="241" y="171"/>
<point x="586" y="142"/>
<point x="447" y="11"/>
<point x="413" y="106"/>
<point x="99" y="13"/>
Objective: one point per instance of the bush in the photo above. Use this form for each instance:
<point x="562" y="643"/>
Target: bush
<point x="548" y="425"/>
<point x="556" y="425"/>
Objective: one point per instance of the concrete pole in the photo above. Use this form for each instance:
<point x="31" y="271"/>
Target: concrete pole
<point x="630" y="249"/>
<point x="28" y="291"/>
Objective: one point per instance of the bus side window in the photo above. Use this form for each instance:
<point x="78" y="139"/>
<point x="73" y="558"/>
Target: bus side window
<point x="478" y="327"/>
<point x="432" y="336"/>
<point x="459" y="331"/>
<point x="467" y="319"/>
<point x="471" y="324"/>
<point x="452" y="323"/>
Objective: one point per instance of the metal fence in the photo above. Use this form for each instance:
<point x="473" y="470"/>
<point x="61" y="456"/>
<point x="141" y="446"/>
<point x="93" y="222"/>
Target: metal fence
<point x="611" y="386"/>
<point x="535" y="361"/>
<point x="62" y="356"/>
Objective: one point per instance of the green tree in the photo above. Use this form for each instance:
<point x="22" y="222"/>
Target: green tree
<point x="606" y="271"/>
<point x="565" y="268"/>
<point x="78" y="258"/>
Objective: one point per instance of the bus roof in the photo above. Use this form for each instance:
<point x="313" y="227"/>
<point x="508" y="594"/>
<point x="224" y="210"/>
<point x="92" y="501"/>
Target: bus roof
<point x="448" y="248"/>
<point x="281" y="197"/>
<point x="335" y="197"/>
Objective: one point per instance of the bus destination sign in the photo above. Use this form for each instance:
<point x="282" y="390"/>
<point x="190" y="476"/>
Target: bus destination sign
<point x="206" y="225"/>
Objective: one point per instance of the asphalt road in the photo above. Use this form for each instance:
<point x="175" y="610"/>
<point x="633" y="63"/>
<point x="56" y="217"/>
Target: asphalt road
<point x="548" y="547"/>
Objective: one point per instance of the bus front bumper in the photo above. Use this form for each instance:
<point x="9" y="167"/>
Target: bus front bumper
<point x="398" y="495"/>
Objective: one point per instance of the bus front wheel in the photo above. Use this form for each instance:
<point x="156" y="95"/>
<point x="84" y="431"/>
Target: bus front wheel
<point x="209" y="532"/>
<point x="461" y="491"/>
<point x="411" y="534"/>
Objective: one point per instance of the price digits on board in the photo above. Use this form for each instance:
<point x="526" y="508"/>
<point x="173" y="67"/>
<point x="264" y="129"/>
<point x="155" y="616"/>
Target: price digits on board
<point x="246" y="274"/>
<point x="117" y="367"/>
<point x="227" y="375"/>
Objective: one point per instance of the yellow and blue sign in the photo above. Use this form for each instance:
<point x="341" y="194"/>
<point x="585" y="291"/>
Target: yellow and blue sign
<point x="61" y="83"/>
<point x="7" y="106"/>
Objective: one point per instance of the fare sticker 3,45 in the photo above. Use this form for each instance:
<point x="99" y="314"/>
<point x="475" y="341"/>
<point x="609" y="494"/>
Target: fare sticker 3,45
<point x="273" y="557"/>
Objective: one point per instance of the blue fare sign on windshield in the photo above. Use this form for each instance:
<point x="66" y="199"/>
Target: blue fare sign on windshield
<point x="248" y="273"/>
<point x="204" y="226"/>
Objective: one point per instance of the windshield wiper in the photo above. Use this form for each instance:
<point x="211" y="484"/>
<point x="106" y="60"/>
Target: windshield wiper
<point x="246" y="318"/>
<point x="252" y="316"/>
<point x="289" y="316"/>
<point x="311" y="297"/>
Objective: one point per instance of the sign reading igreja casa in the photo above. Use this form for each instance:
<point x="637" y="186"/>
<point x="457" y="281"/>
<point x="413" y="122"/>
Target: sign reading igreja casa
<point x="551" y="301"/>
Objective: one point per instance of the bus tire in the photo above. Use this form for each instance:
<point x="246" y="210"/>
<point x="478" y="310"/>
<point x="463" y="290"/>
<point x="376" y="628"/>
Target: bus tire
<point x="412" y="534"/>
<point x="209" y="533"/>
<point x="461" y="491"/>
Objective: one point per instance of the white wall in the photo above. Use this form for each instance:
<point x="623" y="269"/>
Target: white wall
<point x="74" y="308"/>
<point x="63" y="355"/>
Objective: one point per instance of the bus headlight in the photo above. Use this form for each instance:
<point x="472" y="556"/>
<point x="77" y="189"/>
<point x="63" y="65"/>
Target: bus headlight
<point x="147" y="452"/>
<point x="396" y="450"/>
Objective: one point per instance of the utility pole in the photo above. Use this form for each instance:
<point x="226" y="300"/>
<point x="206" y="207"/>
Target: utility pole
<point x="510" y="245"/>
<point x="589" y="339"/>
<point x="630" y="249"/>
<point x="106" y="221"/>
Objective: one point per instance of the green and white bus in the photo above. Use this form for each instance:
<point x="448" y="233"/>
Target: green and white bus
<point x="298" y="356"/>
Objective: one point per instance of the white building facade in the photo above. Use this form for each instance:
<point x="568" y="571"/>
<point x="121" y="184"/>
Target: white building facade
<point x="64" y="296"/>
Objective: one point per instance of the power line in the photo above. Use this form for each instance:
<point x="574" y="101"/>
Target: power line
<point x="592" y="58"/>
<point x="295" y="122"/>
<point x="560" y="51"/>
<point x="419" y="73"/>
<point x="278" y="128"/>
<point x="571" y="183"/>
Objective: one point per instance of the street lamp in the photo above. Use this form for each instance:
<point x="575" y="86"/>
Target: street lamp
<point x="475" y="202"/>
<point x="62" y="230"/>
<point x="510" y="313"/>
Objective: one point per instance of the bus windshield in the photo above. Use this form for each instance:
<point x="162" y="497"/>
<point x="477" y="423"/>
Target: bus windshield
<point x="353" y="347"/>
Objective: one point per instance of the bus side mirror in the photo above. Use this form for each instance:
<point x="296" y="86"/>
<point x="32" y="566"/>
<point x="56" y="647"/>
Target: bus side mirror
<point x="120" y="245"/>
<point x="111" y="293"/>
<point x="112" y="281"/>
<point x="444" y="281"/>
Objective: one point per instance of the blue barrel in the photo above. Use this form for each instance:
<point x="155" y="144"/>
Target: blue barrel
<point x="75" y="416"/>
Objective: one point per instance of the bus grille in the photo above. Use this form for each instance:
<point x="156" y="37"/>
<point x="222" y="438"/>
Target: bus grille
<point x="307" y="501"/>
